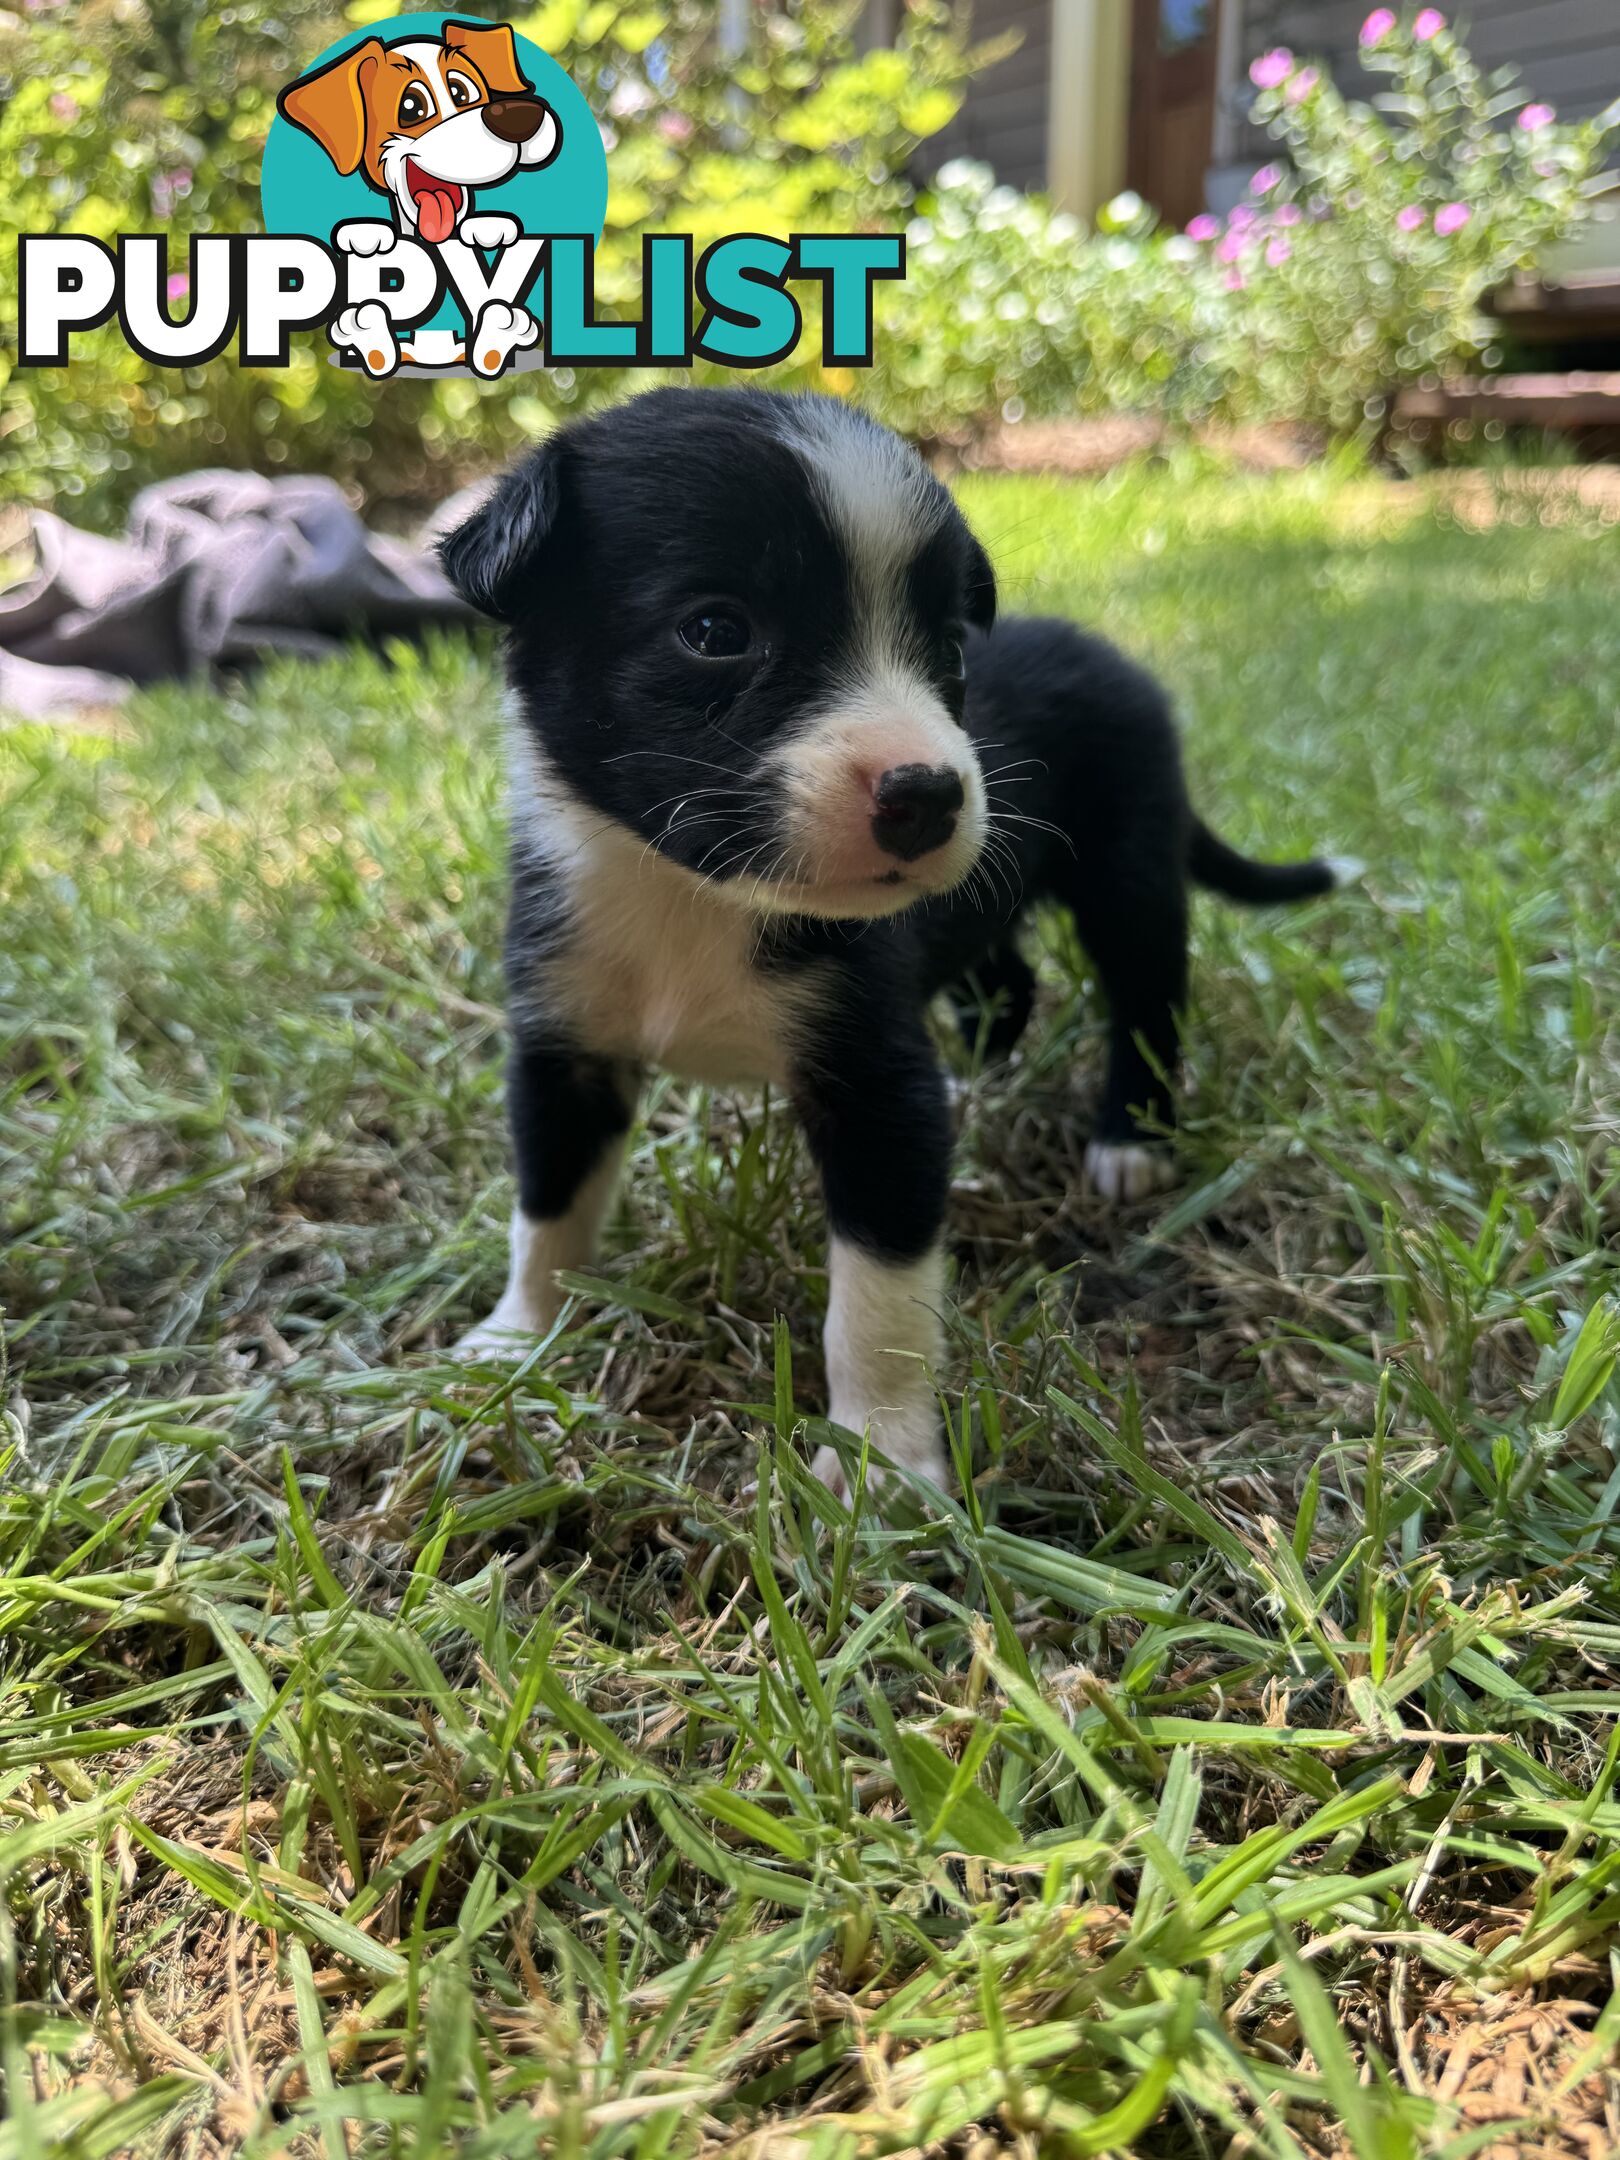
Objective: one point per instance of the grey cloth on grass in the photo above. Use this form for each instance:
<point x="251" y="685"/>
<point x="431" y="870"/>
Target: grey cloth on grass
<point x="214" y="570"/>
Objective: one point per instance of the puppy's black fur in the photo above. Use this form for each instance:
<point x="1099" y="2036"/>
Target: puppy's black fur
<point x="781" y="778"/>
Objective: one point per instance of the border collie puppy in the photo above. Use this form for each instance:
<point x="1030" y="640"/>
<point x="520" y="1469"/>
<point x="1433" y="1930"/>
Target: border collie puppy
<point x="778" y="778"/>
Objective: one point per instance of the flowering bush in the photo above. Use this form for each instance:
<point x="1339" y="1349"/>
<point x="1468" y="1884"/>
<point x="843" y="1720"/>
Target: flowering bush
<point x="1359" y="263"/>
<point x="1356" y="262"/>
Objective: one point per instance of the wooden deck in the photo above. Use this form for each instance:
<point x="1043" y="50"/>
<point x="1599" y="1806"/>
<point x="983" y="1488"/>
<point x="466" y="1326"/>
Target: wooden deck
<point x="1574" y="399"/>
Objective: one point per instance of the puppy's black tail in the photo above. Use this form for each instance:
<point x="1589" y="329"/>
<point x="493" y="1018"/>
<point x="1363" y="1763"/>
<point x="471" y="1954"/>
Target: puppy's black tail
<point x="1222" y="869"/>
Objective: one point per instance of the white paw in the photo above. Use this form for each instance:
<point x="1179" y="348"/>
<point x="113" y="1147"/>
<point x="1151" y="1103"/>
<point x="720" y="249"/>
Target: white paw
<point x="825" y="1465"/>
<point x="491" y="229"/>
<point x="1347" y="869"/>
<point x="365" y="330"/>
<point x="364" y="236"/>
<point x="505" y="1337"/>
<point x="1127" y="1171"/>
<point x="910" y="1439"/>
<point x="501" y="330"/>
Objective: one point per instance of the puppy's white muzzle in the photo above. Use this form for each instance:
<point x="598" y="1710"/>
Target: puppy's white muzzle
<point x="884" y="803"/>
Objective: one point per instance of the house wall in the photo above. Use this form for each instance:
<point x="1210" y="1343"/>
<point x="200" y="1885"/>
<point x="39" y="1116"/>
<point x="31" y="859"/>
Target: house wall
<point x="1003" y="119"/>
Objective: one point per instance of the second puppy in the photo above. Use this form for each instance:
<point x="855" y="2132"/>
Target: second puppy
<point x="778" y="778"/>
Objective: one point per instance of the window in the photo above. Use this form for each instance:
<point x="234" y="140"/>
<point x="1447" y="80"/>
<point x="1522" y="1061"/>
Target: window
<point x="1184" y="22"/>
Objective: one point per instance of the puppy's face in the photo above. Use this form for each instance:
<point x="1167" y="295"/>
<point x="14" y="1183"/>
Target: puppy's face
<point x="737" y="623"/>
<point x="426" y="120"/>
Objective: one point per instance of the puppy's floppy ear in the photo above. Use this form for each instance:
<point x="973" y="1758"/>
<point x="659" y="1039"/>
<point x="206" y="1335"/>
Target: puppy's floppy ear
<point x="331" y="103"/>
<point x="493" y="52"/>
<point x="981" y="588"/>
<point x="496" y="552"/>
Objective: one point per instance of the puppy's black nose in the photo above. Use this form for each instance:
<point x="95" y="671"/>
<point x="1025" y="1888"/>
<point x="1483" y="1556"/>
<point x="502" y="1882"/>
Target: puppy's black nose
<point x="514" y="119"/>
<point x="916" y="809"/>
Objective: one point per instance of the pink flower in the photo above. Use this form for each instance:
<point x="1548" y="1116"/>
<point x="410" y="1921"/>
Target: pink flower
<point x="1451" y="217"/>
<point x="1429" y="24"/>
<point x="1230" y="249"/>
<point x="1241" y="218"/>
<point x="1234" y="281"/>
<point x="64" y="107"/>
<point x="1537" y="116"/>
<point x="1204" y="227"/>
<point x="1302" y="85"/>
<point x="1272" y="69"/>
<point x="1411" y="218"/>
<point x="674" y="127"/>
<point x="1265" y="180"/>
<point x="1288" y="214"/>
<point x="1278" y="251"/>
<point x="1378" y="26"/>
<point x="178" y="286"/>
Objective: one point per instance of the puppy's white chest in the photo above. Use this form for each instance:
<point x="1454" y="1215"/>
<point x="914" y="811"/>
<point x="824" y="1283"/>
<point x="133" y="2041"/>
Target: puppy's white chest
<point x="646" y="969"/>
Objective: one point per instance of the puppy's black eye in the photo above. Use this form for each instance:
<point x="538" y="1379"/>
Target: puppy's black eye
<point x="413" y="106"/>
<point x="462" y="91"/>
<point x="715" y="634"/>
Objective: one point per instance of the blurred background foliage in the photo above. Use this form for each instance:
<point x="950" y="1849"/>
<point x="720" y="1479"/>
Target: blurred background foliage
<point x="1355" y="266"/>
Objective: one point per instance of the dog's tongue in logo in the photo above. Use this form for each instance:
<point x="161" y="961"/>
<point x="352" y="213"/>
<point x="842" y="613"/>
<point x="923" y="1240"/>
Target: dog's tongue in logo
<point x="438" y="203"/>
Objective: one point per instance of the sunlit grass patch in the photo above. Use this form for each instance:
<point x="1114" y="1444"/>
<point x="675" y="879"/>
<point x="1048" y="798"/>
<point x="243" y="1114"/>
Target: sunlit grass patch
<point x="397" y="1761"/>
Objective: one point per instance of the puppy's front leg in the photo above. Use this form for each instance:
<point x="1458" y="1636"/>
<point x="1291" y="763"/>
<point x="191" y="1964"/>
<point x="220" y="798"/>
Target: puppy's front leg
<point x="881" y="1138"/>
<point x="569" y="1114"/>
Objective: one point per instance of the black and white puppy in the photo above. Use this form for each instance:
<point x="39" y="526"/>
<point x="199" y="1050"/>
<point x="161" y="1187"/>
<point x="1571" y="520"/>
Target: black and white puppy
<point x="778" y="778"/>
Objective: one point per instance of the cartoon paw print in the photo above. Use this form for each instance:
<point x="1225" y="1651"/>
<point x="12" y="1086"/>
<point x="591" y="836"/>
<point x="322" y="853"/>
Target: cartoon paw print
<point x="501" y="330"/>
<point x="366" y="331"/>
<point x="490" y="229"/>
<point x="365" y="236"/>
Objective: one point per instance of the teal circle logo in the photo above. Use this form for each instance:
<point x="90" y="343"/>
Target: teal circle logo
<point x="460" y="136"/>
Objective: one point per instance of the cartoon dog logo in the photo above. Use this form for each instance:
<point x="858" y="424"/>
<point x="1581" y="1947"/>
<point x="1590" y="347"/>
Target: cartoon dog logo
<point x="425" y="121"/>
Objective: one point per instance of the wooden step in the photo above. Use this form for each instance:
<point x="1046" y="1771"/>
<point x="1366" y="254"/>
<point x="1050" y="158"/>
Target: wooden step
<point x="1576" y="399"/>
<point x="1583" y="304"/>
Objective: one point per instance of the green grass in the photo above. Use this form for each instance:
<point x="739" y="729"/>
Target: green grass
<point x="395" y="1762"/>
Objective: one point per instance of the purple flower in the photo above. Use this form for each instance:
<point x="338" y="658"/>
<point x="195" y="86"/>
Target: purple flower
<point x="1241" y="218"/>
<point x="1204" y="227"/>
<point x="1288" y="214"/>
<point x="1378" y="26"/>
<point x="1411" y="218"/>
<point x="1272" y="69"/>
<point x="1451" y="217"/>
<point x="178" y="286"/>
<point x="1265" y="180"/>
<point x="1278" y="251"/>
<point x="1429" y="24"/>
<point x="1231" y="248"/>
<point x="1537" y="116"/>
<point x="1302" y="85"/>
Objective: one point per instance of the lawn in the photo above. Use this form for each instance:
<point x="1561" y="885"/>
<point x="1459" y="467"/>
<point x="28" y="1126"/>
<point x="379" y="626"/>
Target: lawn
<point x="398" y="1762"/>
